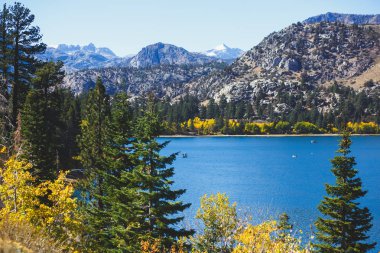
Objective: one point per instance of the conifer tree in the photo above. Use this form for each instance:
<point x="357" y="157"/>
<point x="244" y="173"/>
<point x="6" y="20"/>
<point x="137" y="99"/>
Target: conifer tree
<point x="41" y="122"/>
<point x="94" y="142"/>
<point x="5" y="45"/>
<point x="344" y="224"/>
<point x="26" y="42"/>
<point x="70" y="117"/>
<point x="96" y="160"/>
<point x="113" y="211"/>
<point x="122" y="203"/>
<point x="160" y="203"/>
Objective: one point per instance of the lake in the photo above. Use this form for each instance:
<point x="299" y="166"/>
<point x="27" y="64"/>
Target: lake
<point x="270" y="175"/>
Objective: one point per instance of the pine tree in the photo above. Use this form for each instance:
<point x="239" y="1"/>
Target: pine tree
<point x="344" y="224"/>
<point x="22" y="63"/>
<point x="70" y="117"/>
<point x="5" y="45"/>
<point x="123" y="205"/>
<point x="94" y="141"/>
<point x="96" y="159"/>
<point x="112" y="206"/>
<point x="36" y="136"/>
<point x="41" y="122"/>
<point x="159" y="202"/>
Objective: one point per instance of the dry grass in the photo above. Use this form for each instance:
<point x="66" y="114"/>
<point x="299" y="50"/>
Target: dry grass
<point x="372" y="73"/>
<point x="23" y="237"/>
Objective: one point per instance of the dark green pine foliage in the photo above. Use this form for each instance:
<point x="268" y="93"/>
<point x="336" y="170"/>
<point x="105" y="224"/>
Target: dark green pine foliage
<point x="161" y="207"/>
<point x="71" y="118"/>
<point x="94" y="140"/>
<point x="5" y="46"/>
<point x="122" y="203"/>
<point x="26" y="40"/>
<point x="41" y="122"/>
<point x="95" y="157"/>
<point x="112" y="206"/>
<point x="344" y="224"/>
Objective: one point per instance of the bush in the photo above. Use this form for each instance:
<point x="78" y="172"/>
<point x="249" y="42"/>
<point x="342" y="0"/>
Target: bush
<point x="304" y="127"/>
<point x="283" y="127"/>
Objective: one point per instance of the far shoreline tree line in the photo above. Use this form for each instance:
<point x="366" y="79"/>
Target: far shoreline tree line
<point x="86" y="174"/>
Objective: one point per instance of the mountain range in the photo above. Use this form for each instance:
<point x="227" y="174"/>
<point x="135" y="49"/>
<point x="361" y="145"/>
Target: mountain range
<point x="294" y="62"/>
<point x="77" y="57"/>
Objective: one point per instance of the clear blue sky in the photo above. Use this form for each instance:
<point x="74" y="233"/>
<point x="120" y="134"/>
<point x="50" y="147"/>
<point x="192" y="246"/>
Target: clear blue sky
<point x="125" y="26"/>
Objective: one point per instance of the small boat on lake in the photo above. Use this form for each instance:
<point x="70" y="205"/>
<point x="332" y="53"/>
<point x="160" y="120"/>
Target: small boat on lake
<point x="313" y="141"/>
<point x="184" y="155"/>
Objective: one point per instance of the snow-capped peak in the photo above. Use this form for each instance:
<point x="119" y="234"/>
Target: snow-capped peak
<point x="221" y="47"/>
<point x="224" y="52"/>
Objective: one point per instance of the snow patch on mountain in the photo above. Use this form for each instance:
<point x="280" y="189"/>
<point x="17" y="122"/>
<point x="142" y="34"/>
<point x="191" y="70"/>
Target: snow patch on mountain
<point x="76" y="57"/>
<point x="224" y="52"/>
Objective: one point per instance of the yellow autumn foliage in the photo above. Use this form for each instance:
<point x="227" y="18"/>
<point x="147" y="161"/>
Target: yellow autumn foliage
<point x="363" y="127"/>
<point x="205" y="126"/>
<point x="156" y="246"/>
<point x="18" y="195"/>
<point x="262" y="238"/>
<point x="48" y="206"/>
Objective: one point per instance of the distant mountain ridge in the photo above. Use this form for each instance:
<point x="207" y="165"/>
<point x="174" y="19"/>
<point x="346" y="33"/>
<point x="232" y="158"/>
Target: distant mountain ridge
<point x="167" y="54"/>
<point x="348" y="19"/>
<point x="77" y="57"/>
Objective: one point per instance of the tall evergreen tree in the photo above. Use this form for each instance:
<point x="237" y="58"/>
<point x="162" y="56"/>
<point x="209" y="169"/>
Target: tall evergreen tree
<point x="112" y="206"/>
<point x="123" y="205"/>
<point x="5" y="45"/>
<point x="26" y="42"/>
<point x="96" y="159"/>
<point x="344" y="225"/>
<point x="94" y="141"/>
<point x="41" y="122"/>
<point x="160" y="203"/>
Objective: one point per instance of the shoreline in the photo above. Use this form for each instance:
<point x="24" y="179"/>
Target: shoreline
<point x="260" y="135"/>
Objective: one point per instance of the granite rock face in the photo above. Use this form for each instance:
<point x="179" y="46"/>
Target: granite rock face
<point x="166" y="54"/>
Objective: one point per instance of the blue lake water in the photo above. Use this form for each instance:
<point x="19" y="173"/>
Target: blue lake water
<point x="270" y="175"/>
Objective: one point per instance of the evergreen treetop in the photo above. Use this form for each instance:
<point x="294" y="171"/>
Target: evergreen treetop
<point x="344" y="224"/>
<point x="160" y="204"/>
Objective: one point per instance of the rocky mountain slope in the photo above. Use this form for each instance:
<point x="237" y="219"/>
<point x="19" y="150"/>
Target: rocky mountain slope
<point x="345" y="18"/>
<point x="166" y="54"/>
<point x="315" y="54"/>
<point x="162" y="80"/>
